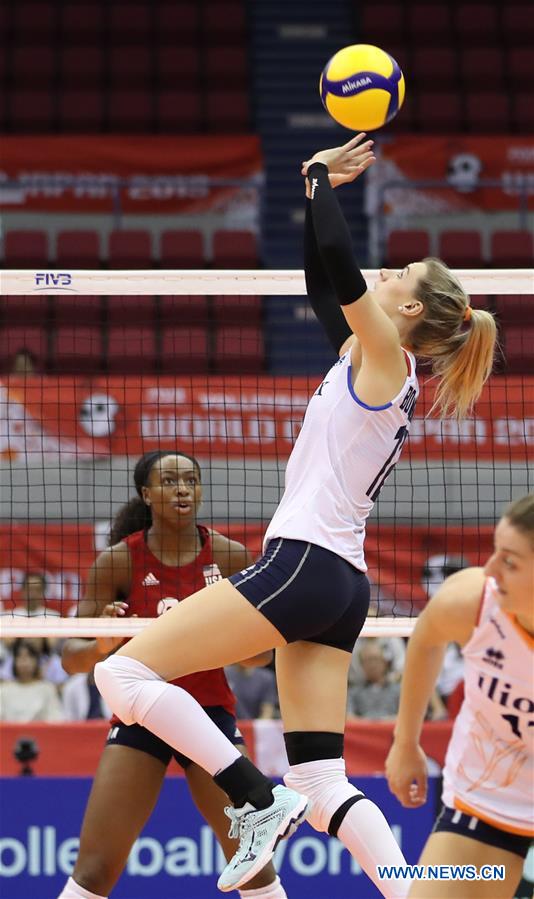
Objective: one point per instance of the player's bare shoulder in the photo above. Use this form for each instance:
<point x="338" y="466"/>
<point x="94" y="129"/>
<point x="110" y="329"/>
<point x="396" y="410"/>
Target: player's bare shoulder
<point x="230" y="555"/>
<point x="454" y="609"/>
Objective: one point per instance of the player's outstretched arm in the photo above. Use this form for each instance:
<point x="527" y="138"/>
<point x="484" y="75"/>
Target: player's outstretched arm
<point x="449" y="617"/>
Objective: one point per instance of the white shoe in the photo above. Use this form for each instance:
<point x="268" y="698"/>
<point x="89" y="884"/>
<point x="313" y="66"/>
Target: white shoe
<point x="259" y="832"/>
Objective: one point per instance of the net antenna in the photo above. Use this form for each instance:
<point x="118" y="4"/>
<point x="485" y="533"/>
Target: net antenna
<point x="457" y="507"/>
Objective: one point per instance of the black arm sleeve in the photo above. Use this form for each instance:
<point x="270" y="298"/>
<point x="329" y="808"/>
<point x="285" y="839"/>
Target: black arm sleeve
<point x="333" y="238"/>
<point x="320" y="291"/>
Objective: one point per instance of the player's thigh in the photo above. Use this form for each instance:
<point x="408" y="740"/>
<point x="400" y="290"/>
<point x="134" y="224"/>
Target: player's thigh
<point x="312" y="686"/>
<point x="124" y="792"/>
<point x="211" y="801"/>
<point x="210" y="629"/>
<point x="445" y="848"/>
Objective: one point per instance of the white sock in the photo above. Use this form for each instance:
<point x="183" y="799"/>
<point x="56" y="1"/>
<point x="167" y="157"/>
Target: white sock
<point x="368" y="837"/>
<point x="138" y="694"/>
<point x="273" y="890"/>
<point x="73" y="890"/>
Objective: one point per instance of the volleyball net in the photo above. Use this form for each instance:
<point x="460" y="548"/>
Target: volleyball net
<point x="100" y="367"/>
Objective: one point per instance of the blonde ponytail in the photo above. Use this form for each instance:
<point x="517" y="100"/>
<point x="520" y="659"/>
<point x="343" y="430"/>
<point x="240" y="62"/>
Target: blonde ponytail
<point x="461" y="346"/>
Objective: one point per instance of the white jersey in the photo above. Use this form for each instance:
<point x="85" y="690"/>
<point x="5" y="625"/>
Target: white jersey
<point x="340" y="460"/>
<point x="489" y="770"/>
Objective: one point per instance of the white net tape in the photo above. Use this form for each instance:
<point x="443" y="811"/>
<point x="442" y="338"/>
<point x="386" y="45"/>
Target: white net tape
<point x="200" y="282"/>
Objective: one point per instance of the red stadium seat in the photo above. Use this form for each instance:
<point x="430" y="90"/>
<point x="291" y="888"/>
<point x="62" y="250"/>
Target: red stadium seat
<point x="81" y="111"/>
<point x="77" y="349"/>
<point x="482" y="68"/>
<point x="130" y="66"/>
<point x="461" y="249"/>
<point x="129" y="22"/>
<point x="477" y="23"/>
<point x="430" y="23"/>
<point x="434" y="67"/>
<point x="523" y="112"/>
<point x="33" y="66"/>
<point x="34" y="22"/>
<point x="227" y="67"/>
<point x="179" y="111"/>
<point x="227" y="110"/>
<point x="130" y="249"/>
<point x="32" y="111"/>
<point x="131" y="349"/>
<point x="31" y="310"/>
<point x="384" y="21"/>
<point x="183" y="310"/>
<point x="178" y="67"/>
<point x="130" y="110"/>
<point x="81" y="67"/>
<point x="519" y="68"/>
<point x="177" y="23"/>
<point x="519" y="350"/>
<point x="82" y="23"/>
<point x="237" y="310"/>
<point x="182" y="249"/>
<point x="73" y="309"/>
<point x="78" y="249"/>
<point x="515" y="309"/>
<point x="439" y="112"/>
<point x="223" y="22"/>
<point x="234" y="249"/>
<point x="19" y="339"/>
<point x="137" y="310"/>
<point x="184" y="349"/>
<point x="407" y="246"/>
<point x="487" y="112"/>
<point x="239" y="350"/>
<point x="512" y="249"/>
<point x="26" y="249"/>
<point x="517" y="24"/>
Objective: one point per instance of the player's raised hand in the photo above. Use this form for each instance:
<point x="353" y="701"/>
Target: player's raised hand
<point x="345" y="163"/>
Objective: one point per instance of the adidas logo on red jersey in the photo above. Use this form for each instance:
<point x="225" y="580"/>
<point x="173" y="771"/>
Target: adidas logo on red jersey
<point x="150" y="580"/>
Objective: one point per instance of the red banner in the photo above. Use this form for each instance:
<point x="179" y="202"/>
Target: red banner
<point x="367" y="744"/>
<point x="167" y="174"/>
<point x="462" y="161"/>
<point x="234" y="417"/>
<point x="395" y="554"/>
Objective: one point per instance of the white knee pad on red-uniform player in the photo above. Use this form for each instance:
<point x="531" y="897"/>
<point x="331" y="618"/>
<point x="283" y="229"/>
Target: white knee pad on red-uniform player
<point x="125" y="685"/>
<point x="325" y="783"/>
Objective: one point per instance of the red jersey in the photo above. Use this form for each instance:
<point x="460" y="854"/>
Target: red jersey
<point x="156" y="587"/>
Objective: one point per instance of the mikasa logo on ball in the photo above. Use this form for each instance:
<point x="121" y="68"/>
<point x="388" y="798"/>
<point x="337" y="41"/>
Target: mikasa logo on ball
<point x="350" y="86"/>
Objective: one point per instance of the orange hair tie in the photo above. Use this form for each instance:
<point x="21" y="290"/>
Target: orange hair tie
<point x="467" y="314"/>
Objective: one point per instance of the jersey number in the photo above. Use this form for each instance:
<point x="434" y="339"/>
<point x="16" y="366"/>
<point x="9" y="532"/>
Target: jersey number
<point x="400" y="439"/>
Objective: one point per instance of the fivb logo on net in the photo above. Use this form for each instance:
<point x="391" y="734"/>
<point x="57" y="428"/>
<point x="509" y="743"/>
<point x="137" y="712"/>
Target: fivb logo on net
<point x="58" y="280"/>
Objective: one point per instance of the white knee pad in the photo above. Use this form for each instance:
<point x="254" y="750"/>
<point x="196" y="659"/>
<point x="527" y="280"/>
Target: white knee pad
<point x="326" y="785"/>
<point x="129" y="687"/>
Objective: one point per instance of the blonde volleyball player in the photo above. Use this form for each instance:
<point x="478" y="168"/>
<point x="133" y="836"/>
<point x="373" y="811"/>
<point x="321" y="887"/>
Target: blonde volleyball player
<point x="308" y="595"/>
<point x="488" y="804"/>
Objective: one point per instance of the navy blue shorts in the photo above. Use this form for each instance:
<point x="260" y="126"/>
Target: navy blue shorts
<point x="137" y="737"/>
<point x="307" y="593"/>
<point x="451" y="820"/>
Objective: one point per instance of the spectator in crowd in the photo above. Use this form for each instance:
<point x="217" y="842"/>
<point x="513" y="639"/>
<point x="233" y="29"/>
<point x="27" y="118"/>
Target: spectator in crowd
<point x="255" y="691"/>
<point x="394" y="650"/>
<point x="49" y="660"/>
<point x="24" y="363"/>
<point x="81" y="699"/>
<point x="28" y="697"/>
<point x="378" y="696"/>
<point x="436" y="570"/>
<point x="33" y="597"/>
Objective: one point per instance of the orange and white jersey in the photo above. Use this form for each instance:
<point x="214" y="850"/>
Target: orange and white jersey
<point x="489" y="768"/>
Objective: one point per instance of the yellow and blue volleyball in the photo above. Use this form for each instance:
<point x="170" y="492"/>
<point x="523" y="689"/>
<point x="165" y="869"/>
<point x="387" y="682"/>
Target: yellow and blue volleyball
<point x="362" y="87"/>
